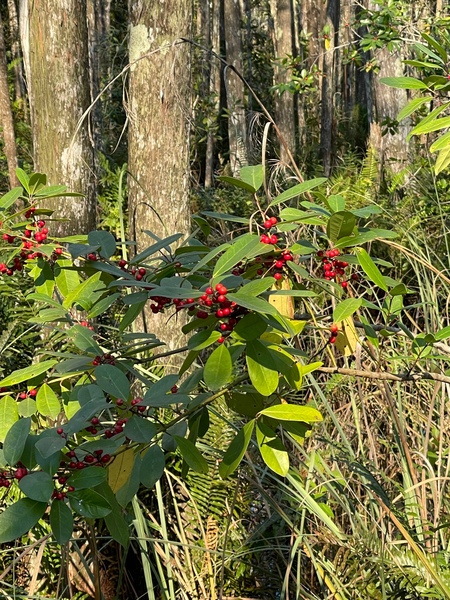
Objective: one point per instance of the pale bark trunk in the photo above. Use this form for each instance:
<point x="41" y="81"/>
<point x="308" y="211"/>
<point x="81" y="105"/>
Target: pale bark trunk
<point x="236" y="105"/>
<point x="215" y="90"/>
<point x="6" y="116"/>
<point x="392" y="149"/>
<point x="284" y="46"/>
<point x="54" y="34"/>
<point x="159" y="113"/>
<point x="19" y="86"/>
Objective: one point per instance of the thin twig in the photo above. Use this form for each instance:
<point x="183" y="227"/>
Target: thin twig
<point x="386" y="376"/>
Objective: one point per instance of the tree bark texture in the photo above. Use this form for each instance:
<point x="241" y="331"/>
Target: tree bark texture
<point x="58" y="85"/>
<point x="284" y="46"/>
<point x="158" y="142"/>
<point x="6" y="116"/>
<point x="235" y="90"/>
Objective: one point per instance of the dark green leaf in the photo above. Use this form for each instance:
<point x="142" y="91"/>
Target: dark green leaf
<point x="105" y="240"/>
<point x="37" y="486"/>
<point x="153" y="465"/>
<point x="191" y="455"/>
<point x="219" y="368"/>
<point x="89" y="477"/>
<point x="112" y="381"/>
<point x="203" y="339"/>
<point x="15" y="440"/>
<point x="240" y="249"/>
<point x="19" y="518"/>
<point x="27" y="373"/>
<point x="236" y="450"/>
<point x="10" y="197"/>
<point x="370" y="269"/>
<point x="61" y="521"/>
<point x="89" y="503"/>
<point x="162" y="244"/>
<point x="237" y="183"/>
<point x="139" y="429"/>
<point x="257" y="304"/>
<point x="251" y="327"/>
<point x="253" y="175"/>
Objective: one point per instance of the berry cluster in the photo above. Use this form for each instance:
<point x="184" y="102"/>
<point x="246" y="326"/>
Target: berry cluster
<point x="137" y="272"/>
<point x="333" y="268"/>
<point x="334" y="330"/>
<point x="274" y="265"/>
<point x="23" y="395"/>
<point x="33" y="235"/>
<point x="227" y="312"/>
<point x="104" y="359"/>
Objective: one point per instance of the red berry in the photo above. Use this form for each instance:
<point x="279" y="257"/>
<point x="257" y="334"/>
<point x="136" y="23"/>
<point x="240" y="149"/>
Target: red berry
<point x="273" y="220"/>
<point x="119" y="402"/>
<point x="221" y="299"/>
<point x="334" y="328"/>
<point x="58" y="251"/>
<point x="41" y="223"/>
<point x="105" y="458"/>
<point x="92" y="256"/>
<point x="273" y="239"/>
<point x="279" y="264"/>
<point x="355" y="276"/>
<point x="60" y="431"/>
<point x="223" y="326"/>
<point x="22" y="395"/>
<point x="89" y="459"/>
<point x="344" y="284"/>
<point x="95" y="420"/>
<point x="221" y="340"/>
<point x="209" y="291"/>
<point x="62" y="480"/>
<point x="333" y="339"/>
<point x="265" y="239"/>
<point x="267" y="224"/>
<point x="201" y="314"/>
<point x="174" y="389"/>
<point x="278" y="276"/>
<point x="70" y="488"/>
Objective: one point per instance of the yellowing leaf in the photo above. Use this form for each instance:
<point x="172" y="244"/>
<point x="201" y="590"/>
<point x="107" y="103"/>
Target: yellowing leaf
<point x="283" y="304"/>
<point x="120" y="469"/>
<point x="347" y="338"/>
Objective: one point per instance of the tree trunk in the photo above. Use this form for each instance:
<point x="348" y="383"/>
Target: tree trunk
<point x="392" y="148"/>
<point x="235" y="91"/>
<point x="6" y="116"/>
<point x="54" y="38"/>
<point x="159" y="113"/>
<point x="284" y="46"/>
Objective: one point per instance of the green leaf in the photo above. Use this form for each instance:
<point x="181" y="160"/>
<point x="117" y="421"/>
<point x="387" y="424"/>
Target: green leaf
<point x="261" y="368"/>
<point x="23" y="178"/>
<point x="253" y="175"/>
<point x="131" y="315"/>
<point x="251" y="327"/>
<point x="225" y="217"/>
<point x="191" y="455"/>
<point x="27" y="373"/>
<point x="236" y="450"/>
<point x="272" y="449"/>
<point x="295" y="191"/>
<point x="105" y="240"/>
<point x="153" y="465"/>
<point x="370" y="269"/>
<point x="37" y="486"/>
<point x="412" y="106"/>
<point x="161" y="387"/>
<point x="434" y="125"/>
<point x="340" y="224"/>
<point x="47" y="402"/>
<point x="435" y="44"/>
<point x="130" y="489"/>
<point x="49" y="444"/>
<point x="10" y="197"/>
<point x="15" y="440"/>
<point x="218" y="369"/>
<point x="102" y="305"/>
<point x="240" y="249"/>
<point x="8" y="415"/>
<point x="36" y="182"/>
<point x="292" y="412"/>
<point x="86" y="294"/>
<point x="257" y="304"/>
<point x="61" y="522"/>
<point x="442" y="142"/>
<point x="19" y="518"/>
<point x="89" y="503"/>
<point x="442" y="334"/>
<point x="115" y="522"/>
<point x="139" y="429"/>
<point x="336" y="203"/>
<point x="237" y="183"/>
<point x="300" y="216"/>
<point x="203" y="339"/>
<point x="83" y="338"/>
<point x="27" y="407"/>
<point x="346" y="308"/>
<point x="50" y="190"/>
<point x="248" y="405"/>
<point x="67" y="278"/>
<point x="442" y="161"/>
<point x="43" y="277"/>
<point x="256" y="287"/>
<point x="112" y="381"/>
<point x="87" y="478"/>
<point x="162" y="244"/>
<point x="404" y="83"/>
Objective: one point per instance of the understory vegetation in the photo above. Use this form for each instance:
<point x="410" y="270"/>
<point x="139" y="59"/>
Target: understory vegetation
<point x="294" y="442"/>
